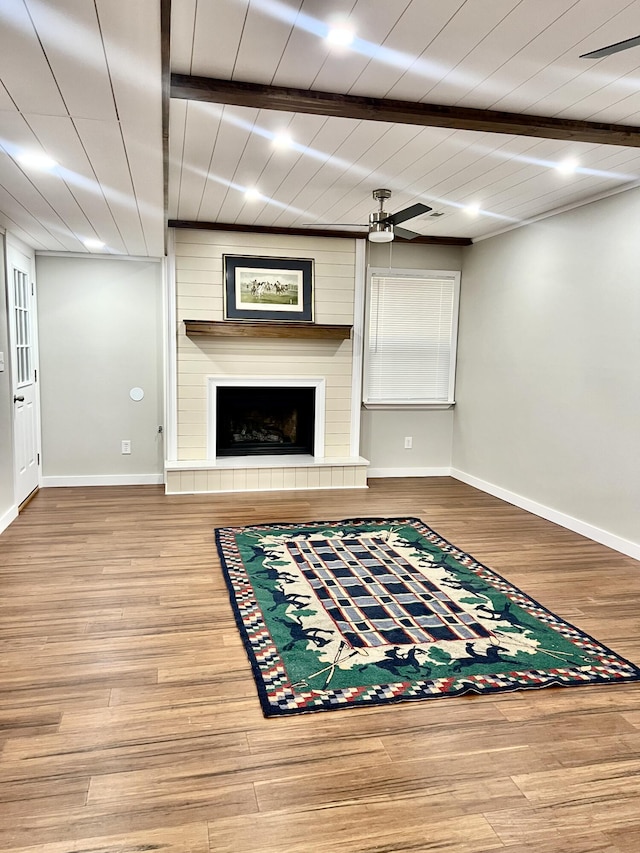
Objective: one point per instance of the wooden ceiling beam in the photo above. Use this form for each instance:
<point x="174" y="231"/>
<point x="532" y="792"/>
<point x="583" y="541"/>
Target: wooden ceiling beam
<point x="287" y="99"/>
<point x="165" y="65"/>
<point x="309" y="232"/>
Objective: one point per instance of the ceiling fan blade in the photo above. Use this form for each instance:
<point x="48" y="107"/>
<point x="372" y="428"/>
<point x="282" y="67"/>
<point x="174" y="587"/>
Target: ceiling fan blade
<point x="336" y="224"/>
<point x="405" y="233"/>
<point x="407" y="213"/>
<point x="612" y="48"/>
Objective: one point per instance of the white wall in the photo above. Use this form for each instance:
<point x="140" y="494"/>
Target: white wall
<point x="100" y="334"/>
<point x="548" y="384"/>
<point x="8" y="508"/>
<point x="383" y="432"/>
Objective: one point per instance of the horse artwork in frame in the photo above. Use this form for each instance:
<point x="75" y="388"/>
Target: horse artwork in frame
<point x="268" y="288"/>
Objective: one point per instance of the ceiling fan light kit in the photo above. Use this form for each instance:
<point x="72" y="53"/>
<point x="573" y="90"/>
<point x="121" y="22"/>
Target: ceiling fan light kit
<point x="379" y="232"/>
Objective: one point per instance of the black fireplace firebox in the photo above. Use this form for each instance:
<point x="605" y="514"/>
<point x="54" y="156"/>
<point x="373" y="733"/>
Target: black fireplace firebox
<point x="255" y="421"/>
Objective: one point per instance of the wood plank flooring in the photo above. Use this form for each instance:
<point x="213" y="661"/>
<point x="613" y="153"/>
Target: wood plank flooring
<point x="129" y="719"/>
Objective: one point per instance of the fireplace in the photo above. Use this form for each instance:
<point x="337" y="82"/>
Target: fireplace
<point x="260" y="421"/>
<point x="265" y="416"/>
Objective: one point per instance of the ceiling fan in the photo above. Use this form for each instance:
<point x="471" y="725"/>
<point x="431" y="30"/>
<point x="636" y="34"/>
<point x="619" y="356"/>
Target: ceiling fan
<point x="612" y="48"/>
<point x="383" y="226"/>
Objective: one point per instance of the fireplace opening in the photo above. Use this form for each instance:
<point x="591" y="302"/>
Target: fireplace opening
<point x="255" y="421"/>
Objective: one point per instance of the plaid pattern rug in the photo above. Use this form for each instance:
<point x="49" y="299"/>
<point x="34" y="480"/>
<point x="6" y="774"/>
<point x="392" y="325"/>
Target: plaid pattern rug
<point x="365" y="612"/>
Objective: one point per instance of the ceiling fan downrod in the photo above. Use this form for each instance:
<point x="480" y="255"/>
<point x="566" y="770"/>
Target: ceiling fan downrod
<point x="380" y="229"/>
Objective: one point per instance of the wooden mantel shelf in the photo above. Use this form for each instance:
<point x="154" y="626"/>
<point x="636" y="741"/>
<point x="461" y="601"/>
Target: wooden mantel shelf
<point x="266" y="329"/>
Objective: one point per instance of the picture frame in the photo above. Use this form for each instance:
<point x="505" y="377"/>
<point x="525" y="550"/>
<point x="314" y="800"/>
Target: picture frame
<point x="258" y="288"/>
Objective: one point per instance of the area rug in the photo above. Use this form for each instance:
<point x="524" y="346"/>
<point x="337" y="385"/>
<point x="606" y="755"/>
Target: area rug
<point x="343" y="614"/>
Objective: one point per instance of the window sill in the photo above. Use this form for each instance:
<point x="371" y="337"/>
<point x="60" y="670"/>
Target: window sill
<point x="408" y="406"/>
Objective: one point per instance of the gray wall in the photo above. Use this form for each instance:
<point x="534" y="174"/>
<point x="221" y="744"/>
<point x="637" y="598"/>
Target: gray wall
<point x="7" y="499"/>
<point x="383" y="432"/>
<point x="100" y="334"/>
<point x="548" y="381"/>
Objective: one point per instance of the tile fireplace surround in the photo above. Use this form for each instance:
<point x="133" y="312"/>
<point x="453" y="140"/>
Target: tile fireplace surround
<point x="204" y="363"/>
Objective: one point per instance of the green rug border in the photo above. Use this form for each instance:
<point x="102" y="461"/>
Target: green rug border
<point x="274" y="710"/>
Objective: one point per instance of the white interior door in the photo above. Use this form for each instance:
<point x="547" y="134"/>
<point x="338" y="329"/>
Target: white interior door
<point x="26" y="431"/>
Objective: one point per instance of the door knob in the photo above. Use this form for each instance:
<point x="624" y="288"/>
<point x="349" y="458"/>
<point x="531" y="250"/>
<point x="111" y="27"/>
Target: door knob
<point x="17" y="399"/>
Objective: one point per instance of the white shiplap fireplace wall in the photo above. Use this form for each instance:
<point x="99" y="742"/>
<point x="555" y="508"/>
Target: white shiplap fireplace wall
<point x="200" y="362"/>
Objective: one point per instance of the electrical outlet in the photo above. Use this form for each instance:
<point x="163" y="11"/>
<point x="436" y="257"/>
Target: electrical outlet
<point x="126" y="447"/>
<point x="408" y="442"/>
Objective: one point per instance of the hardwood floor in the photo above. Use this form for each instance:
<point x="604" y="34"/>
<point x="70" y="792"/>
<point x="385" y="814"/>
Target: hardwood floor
<point x="130" y="721"/>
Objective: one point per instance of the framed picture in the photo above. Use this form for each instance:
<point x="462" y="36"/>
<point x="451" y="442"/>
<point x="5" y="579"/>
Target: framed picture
<point x="268" y="288"/>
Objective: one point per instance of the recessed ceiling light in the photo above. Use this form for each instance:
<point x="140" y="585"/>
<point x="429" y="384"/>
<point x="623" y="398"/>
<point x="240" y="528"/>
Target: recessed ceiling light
<point x="340" y="35"/>
<point x="253" y="194"/>
<point x="568" y="166"/>
<point x="472" y="209"/>
<point x="282" y="139"/>
<point x="36" y="160"/>
<point x="92" y="243"/>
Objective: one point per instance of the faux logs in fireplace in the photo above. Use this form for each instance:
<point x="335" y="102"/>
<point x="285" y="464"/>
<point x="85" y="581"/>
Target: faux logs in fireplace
<point x="256" y="421"/>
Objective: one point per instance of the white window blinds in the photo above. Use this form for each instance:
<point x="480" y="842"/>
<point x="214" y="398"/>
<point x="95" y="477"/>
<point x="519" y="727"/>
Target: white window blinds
<point x="411" y="337"/>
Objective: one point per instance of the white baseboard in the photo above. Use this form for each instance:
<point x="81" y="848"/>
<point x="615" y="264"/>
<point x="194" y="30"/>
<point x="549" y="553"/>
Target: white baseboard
<point x="409" y="472"/>
<point x="104" y="480"/>
<point x="624" y="546"/>
<point x="7" y="517"/>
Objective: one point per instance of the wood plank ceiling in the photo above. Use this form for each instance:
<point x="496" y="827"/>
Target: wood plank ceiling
<point x="83" y="82"/>
<point x="80" y="81"/>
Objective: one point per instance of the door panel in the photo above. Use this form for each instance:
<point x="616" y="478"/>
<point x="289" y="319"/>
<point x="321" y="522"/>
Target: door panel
<point x="26" y="445"/>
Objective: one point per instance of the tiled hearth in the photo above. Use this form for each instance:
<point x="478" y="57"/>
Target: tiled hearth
<point x="266" y="474"/>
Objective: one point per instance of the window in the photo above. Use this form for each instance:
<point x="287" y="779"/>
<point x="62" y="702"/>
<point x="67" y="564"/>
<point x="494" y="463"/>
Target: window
<point x="411" y="332"/>
<point x="23" y="327"/>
